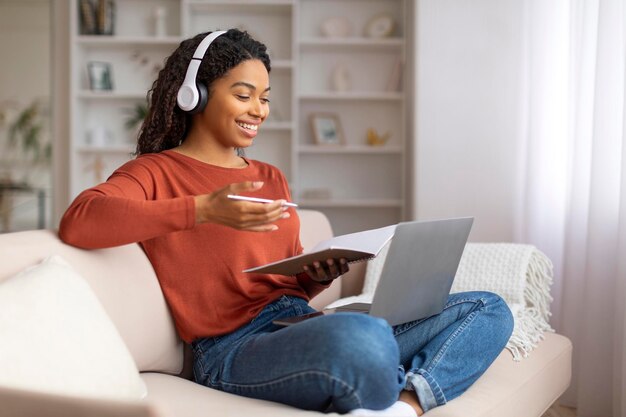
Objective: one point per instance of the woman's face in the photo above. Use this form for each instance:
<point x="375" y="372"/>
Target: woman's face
<point x="238" y="104"/>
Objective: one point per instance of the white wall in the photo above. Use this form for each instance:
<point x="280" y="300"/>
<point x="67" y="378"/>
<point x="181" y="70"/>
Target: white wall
<point x="25" y="49"/>
<point x="467" y="116"/>
<point x="25" y="77"/>
<point x="60" y="71"/>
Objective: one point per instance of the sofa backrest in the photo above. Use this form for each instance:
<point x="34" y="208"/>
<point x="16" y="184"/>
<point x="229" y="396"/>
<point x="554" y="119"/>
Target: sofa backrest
<point x="315" y="227"/>
<point x="126" y="285"/>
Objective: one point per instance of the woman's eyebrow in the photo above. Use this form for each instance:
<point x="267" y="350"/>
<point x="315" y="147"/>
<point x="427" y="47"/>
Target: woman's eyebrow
<point x="250" y="86"/>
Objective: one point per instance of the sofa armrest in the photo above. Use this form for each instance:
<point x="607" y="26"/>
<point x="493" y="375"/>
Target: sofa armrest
<point x="315" y="227"/>
<point x="21" y="403"/>
<point x="349" y="284"/>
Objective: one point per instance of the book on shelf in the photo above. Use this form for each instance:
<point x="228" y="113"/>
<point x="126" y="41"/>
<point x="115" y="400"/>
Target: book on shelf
<point x="354" y="247"/>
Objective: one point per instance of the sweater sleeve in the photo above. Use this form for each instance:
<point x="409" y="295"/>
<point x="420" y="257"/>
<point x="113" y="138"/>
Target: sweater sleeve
<point x="120" y="211"/>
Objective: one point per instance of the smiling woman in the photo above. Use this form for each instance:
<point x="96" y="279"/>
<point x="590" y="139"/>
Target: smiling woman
<point x="25" y="181"/>
<point x="176" y="200"/>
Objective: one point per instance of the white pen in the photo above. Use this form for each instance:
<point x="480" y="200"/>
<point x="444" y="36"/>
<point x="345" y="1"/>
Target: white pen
<point x="257" y="200"/>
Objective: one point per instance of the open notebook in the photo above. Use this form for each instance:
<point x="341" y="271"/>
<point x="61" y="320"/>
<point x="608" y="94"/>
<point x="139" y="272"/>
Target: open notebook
<point x="353" y="247"/>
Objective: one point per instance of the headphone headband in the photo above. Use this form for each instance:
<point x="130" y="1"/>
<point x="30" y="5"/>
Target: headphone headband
<point x="189" y="96"/>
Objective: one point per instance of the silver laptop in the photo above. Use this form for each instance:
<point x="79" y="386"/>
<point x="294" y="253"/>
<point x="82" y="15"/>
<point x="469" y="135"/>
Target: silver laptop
<point x="417" y="275"/>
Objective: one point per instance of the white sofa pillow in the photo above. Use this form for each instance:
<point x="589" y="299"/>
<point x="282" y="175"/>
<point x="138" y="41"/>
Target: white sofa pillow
<point x="56" y="337"/>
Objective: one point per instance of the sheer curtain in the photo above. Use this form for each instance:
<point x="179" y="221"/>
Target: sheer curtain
<point x="574" y="202"/>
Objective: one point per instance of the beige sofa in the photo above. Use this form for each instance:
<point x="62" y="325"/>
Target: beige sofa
<point x="125" y="283"/>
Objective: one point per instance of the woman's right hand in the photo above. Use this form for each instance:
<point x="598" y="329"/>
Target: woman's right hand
<point x="241" y="215"/>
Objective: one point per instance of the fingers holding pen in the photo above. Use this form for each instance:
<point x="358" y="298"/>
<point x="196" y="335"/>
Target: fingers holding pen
<point x="253" y="215"/>
<point x="217" y="208"/>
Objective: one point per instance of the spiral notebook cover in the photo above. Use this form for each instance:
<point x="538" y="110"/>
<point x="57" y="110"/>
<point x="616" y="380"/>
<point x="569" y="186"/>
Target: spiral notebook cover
<point x="354" y="247"/>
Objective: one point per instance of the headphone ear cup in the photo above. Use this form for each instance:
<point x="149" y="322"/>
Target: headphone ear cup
<point x="203" y="98"/>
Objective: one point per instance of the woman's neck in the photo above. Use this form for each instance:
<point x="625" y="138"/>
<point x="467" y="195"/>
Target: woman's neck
<point x="214" y="155"/>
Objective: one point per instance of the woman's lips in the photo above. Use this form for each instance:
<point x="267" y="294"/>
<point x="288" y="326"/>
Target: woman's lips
<point x="249" y="129"/>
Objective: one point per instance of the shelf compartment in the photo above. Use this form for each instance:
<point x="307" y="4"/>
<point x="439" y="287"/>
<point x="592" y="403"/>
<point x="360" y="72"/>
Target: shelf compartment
<point x="200" y="5"/>
<point x="122" y="41"/>
<point x="282" y="64"/>
<point x="359" y="12"/>
<point x="369" y="178"/>
<point x="92" y="168"/>
<point x="352" y="219"/>
<point x="112" y="95"/>
<point x="253" y="16"/>
<point x="135" y="18"/>
<point x="360" y="202"/>
<point x="111" y="149"/>
<point x="353" y="95"/>
<point x="272" y="147"/>
<point x="277" y="126"/>
<point x="319" y="69"/>
<point x="133" y="67"/>
<point x="356" y="117"/>
<point x="352" y="149"/>
<point x="352" y="42"/>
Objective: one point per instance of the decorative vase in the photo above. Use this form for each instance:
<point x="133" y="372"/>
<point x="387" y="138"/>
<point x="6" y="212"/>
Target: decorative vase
<point x="340" y="79"/>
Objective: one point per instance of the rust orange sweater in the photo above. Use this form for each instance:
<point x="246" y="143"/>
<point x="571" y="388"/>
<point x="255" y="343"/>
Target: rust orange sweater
<point x="150" y="200"/>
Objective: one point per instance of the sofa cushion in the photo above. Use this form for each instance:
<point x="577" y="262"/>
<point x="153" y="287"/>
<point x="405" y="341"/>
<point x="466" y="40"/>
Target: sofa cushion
<point x="57" y="338"/>
<point x="507" y="389"/>
<point x="175" y="397"/>
<point x="125" y="284"/>
<point x="24" y="403"/>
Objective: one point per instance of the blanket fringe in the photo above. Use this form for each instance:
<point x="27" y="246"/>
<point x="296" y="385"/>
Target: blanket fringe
<point x="532" y="321"/>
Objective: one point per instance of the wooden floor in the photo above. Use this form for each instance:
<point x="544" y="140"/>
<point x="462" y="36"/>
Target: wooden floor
<point x="560" y="411"/>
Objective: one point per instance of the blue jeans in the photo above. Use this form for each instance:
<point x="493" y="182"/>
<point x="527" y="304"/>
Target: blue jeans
<point x="344" y="361"/>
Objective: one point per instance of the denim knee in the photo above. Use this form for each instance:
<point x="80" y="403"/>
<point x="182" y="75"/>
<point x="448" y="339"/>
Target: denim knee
<point x="364" y="354"/>
<point x="496" y="315"/>
<point x="500" y="317"/>
<point x="457" y="356"/>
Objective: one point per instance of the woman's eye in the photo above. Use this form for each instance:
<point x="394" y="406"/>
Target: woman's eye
<point x="265" y="100"/>
<point x="242" y="97"/>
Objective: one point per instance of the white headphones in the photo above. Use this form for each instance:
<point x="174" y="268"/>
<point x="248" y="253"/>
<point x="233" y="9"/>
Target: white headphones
<point x="193" y="96"/>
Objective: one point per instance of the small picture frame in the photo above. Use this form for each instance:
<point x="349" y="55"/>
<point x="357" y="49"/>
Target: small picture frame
<point x="100" y="76"/>
<point x="326" y="129"/>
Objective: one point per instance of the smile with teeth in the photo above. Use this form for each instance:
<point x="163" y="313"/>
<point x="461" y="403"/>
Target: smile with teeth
<point x="248" y="126"/>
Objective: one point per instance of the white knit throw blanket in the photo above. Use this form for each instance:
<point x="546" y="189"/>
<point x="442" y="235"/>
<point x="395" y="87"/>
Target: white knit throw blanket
<point x="520" y="274"/>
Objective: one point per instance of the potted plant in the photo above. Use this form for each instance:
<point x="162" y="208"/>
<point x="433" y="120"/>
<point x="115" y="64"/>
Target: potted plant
<point x="135" y="117"/>
<point x="26" y="133"/>
<point x="27" y="148"/>
<point x="26" y="152"/>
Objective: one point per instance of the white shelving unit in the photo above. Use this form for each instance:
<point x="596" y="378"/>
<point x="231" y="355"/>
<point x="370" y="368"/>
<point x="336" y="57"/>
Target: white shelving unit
<point x="364" y="184"/>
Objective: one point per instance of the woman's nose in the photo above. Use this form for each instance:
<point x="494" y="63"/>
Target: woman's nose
<point x="259" y="109"/>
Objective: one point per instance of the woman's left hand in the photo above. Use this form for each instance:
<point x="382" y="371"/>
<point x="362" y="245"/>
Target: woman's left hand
<point x="327" y="271"/>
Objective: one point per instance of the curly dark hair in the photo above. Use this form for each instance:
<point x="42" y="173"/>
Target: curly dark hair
<point x="166" y="125"/>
